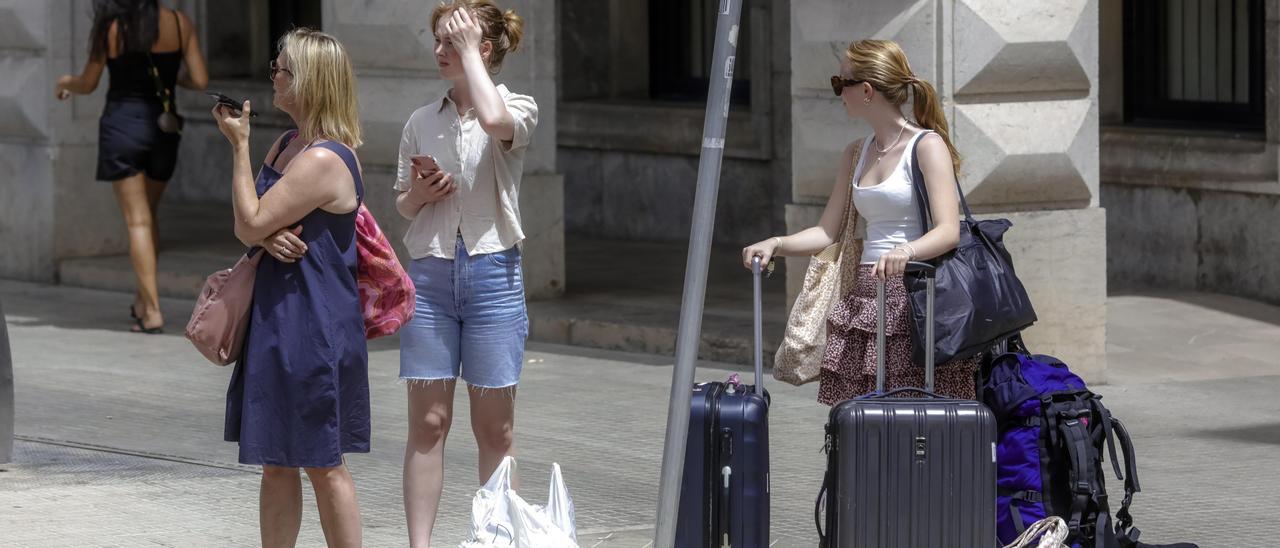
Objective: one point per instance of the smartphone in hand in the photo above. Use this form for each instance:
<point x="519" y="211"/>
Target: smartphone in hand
<point x="423" y="164"/>
<point x="235" y="105"/>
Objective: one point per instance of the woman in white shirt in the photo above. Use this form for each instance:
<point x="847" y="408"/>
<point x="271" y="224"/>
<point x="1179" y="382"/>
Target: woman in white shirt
<point x="461" y="159"/>
<point x="875" y="80"/>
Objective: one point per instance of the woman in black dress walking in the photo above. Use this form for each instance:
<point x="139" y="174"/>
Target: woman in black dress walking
<point x="143" y="46"/>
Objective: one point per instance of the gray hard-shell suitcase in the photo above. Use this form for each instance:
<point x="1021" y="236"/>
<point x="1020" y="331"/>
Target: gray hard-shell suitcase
<point x="916" y="472"/>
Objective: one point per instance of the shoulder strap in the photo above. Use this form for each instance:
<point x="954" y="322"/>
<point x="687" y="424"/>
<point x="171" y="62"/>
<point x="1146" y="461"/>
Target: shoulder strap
<point x="348" y="158"/>
<point x="922" y="192"/>
<point x="284" y="143"/>
<point x="178" y="21"/>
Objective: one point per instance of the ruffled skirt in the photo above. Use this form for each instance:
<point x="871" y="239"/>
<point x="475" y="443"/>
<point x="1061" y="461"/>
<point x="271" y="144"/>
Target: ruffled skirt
<point x="849" y="362"/>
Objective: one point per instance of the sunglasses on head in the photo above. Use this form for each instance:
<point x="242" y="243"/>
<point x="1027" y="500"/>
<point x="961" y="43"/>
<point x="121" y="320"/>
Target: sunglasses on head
<point x="838" y="83"/>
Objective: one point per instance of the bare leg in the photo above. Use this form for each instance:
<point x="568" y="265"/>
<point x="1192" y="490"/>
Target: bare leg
<point x="339" y="512"/>
<point x="131" y="194"/>
<point x="430" y="415"/>
<point x="155" y="191"/>
<point x="280" y="506"/>
<point x="493" y="415"/>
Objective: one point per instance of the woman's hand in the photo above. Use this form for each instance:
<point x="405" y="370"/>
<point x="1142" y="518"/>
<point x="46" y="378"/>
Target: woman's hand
<point x="62" y="90"/>
<point x="285" y="245"/>
<point x="765" y="249"/>
<point x="892" y="264"/>
<point x="235" y="128"/>
<point x="432" y="186"/>
<point x="463" y="32"/>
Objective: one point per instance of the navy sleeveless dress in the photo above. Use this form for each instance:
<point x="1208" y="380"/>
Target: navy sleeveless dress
<point x="299" y="396"/>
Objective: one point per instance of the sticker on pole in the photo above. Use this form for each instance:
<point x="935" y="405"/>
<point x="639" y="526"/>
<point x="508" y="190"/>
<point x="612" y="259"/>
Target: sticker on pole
<point x="728" y="68"/>
<point x="712" y="142"/>
<point x="724" y="6"/>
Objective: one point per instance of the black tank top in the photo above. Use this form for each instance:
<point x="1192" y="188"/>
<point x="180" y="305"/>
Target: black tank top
<point x="130" y="73"/>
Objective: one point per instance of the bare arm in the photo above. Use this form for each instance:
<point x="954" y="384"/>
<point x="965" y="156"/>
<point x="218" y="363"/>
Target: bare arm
<point x="316" y="178"/>
<point x="944" y="203"/>
<point x="196" y="76"/>
<point x="815" y="238"/>
<point x="940" y="181"/>
<point x="87" y="81"/>
<point x="312" y="182"/>
<point x="491" y="111"/>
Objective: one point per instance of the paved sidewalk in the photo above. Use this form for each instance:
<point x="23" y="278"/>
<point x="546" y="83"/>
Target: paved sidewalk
<point x="120" y="433"/>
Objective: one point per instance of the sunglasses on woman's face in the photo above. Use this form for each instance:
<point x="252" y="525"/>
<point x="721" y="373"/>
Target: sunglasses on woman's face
<point x="838" y="83"/>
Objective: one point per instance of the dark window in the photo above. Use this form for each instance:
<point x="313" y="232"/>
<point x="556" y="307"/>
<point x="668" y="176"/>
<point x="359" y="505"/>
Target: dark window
<point x="242" y="34"/>
<point x="1195" y="63"/>
<point x="681" y="39"/>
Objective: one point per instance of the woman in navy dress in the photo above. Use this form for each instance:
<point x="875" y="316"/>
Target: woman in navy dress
<point x="299" y="396"/>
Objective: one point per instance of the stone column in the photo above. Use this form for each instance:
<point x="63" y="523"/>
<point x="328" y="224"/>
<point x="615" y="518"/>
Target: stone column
<point x="1019" y="83"/>
<point x="391" y="45"/>
<point x="52" y="207"/>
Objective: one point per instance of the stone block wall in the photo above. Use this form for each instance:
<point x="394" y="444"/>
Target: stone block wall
<point x="1019" y="83"/>
<point x="52" y="206"/>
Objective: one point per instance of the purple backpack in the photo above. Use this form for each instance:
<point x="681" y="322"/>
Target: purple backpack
<point x="1052" y="433"/>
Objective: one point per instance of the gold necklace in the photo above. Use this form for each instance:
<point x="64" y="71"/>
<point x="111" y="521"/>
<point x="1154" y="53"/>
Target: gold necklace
<point x="883" y="151"/>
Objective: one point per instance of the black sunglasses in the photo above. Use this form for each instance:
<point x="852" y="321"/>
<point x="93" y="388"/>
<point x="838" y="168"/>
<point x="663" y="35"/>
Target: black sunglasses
<point x="838" y="83"/>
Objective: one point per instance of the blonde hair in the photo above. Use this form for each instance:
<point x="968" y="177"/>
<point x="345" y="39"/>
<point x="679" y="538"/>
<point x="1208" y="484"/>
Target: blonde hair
<point x="502" y="29"/>
<point x="882" y="64"/>
<point x="324" y="86"/>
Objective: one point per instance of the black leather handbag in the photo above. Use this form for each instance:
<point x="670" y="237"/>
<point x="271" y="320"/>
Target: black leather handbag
<point x="978" y="297"/>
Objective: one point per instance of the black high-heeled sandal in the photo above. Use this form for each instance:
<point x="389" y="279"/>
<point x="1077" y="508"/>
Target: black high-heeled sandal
<point x="139" y="328"/>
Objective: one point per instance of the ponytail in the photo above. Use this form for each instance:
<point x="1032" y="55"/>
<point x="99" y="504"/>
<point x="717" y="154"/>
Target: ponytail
<point x="928" y="113"/>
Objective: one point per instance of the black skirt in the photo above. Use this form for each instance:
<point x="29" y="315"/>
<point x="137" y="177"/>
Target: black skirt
<point x="130" y="142"/>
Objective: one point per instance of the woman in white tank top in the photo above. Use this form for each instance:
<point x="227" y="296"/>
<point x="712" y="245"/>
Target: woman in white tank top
<point x="874" y="82"/>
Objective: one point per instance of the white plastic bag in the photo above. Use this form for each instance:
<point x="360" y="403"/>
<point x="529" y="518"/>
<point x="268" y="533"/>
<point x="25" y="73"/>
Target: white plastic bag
<point x="1053" y="528"/>
<point x="502" y="518"/>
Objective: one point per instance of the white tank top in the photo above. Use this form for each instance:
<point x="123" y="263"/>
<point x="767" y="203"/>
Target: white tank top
<point x="889" y="208"/>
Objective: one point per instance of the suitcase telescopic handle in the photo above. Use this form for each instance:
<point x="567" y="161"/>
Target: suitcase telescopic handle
<point x="758" y="324"/>
<point x="929" y="272"/>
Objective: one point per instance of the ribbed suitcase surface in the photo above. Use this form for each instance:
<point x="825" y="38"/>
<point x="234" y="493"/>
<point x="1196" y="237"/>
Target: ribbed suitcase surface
<point x="912" y="473"/>
<point x="909" y="472"/>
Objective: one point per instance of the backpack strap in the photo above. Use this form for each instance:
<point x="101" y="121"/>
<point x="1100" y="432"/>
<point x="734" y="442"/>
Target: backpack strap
<point x="1014" y="496"/>
<point x="1076" y="438"/>
<point x="1124" y="520"/>
<point x="1102" y="414"/>
<point x="348" y="158"/>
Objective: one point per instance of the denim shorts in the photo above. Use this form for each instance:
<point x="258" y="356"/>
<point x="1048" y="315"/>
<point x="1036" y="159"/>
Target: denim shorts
<point x="469" y="320"/>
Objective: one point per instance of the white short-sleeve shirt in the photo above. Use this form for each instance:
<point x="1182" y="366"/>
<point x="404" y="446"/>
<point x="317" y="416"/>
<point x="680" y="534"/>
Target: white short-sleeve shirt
<point x="486" y="208"/>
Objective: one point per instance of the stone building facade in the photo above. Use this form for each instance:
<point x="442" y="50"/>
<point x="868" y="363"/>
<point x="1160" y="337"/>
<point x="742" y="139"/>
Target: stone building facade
<point x="1035" y="92"/>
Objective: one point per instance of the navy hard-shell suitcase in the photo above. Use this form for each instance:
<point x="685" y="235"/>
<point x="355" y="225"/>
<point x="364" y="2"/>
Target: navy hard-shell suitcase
<point x="914" y="472"/>
<point x="724" y="497"/>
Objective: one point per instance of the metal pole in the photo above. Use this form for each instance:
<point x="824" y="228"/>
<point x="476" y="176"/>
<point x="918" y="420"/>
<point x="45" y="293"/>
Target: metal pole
<point x="695" y="278"/>
<point x="6" y="393"/>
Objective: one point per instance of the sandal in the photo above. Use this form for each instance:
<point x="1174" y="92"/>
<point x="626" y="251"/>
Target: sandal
<point x="139" y="328"/>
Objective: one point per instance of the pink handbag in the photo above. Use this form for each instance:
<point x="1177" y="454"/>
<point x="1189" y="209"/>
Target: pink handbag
<point x="221" y="315"/>
<point x="386" y="291"/>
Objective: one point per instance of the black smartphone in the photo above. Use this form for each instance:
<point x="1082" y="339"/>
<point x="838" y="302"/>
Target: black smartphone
<point x="234" y="104"/>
